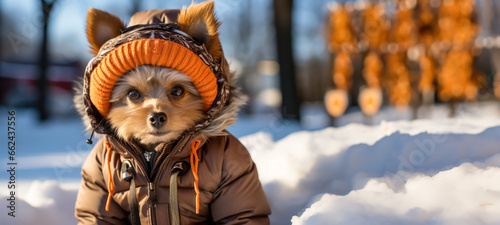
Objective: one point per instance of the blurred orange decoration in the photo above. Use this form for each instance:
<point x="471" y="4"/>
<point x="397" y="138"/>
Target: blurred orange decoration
<point x="425" y="48"/>
<point x="342" y="34"/>
<point x="375" y="25"/>
<point x="372" y="72"/>
<point x="405" y="30"/>
<point x="342" y="71"/>
<point x="336" y="102"/>
<point x="341" y="42"/>
<point x="458" y="30"/>
<point x="375" y="31"/>
<point x="370" y="100"/>
<point x="404" y="36"/>
<point x="455" y="77"/>
<point x="426" y="23"/>
<point x="398" y="80"/>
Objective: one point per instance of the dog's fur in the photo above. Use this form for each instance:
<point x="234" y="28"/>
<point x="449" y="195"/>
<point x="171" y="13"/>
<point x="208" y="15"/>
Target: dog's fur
<point x="199" y="22"/>
<point x="102" y="26"/>
<point x="130" y="119"/>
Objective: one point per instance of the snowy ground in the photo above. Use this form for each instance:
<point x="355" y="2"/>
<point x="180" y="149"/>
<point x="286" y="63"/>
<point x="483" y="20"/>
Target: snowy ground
<point x="429" y="171"/>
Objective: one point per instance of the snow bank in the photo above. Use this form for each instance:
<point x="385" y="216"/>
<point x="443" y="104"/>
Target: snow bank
<point x="463" y="195"/>
<point x="43" y="203"/>
<point x="305" y="165"/>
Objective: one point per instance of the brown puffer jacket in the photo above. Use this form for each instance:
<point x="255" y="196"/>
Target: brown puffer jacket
<point x="229" y="191"/>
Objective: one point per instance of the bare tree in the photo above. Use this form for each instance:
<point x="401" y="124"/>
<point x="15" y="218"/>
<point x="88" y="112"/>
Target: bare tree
<point x="1" y="39"/>
<point x="283" y="26"/>
<point x="136" y="6"/>
<point x="44" y="61"/>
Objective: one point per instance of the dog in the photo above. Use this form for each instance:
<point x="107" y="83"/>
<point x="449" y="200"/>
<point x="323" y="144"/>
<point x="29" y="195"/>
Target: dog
<point x="160" y="95"/>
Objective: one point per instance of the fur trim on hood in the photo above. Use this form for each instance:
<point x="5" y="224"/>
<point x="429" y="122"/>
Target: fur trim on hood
<point x="181" y="27"/>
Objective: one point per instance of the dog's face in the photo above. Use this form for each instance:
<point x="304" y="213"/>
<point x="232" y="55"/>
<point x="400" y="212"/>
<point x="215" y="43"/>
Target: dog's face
<point x="154" y="104"/>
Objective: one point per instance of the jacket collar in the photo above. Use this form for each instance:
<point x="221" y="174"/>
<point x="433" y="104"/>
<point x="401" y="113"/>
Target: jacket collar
<point x="178" y="149"/>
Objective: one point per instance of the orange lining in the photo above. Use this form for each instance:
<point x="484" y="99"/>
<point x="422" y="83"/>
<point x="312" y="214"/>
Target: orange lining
<point x="194" y="169"/>
<point x="111" y="185"/>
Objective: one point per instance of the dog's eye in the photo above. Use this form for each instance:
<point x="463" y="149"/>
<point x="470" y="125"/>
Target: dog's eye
<point x="134" y="94"/>
<point x="177" y="91"/>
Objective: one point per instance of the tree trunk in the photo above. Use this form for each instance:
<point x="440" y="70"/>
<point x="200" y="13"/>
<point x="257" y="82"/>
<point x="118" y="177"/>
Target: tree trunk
<point x="283" y="27"/>
<point x="1" y="44"/>
<point x="43" y="63"/>
<point x="136" y="7"/>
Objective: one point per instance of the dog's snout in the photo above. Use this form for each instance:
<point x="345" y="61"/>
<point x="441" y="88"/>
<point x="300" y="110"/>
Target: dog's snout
<point x="157" y="119"/>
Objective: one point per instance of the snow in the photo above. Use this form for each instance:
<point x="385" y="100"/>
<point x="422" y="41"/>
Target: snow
<point x="435" y="170"/>
<point x="42" y="202"/>
<point x="341" y="161"/>
<point x="466" y="194"/>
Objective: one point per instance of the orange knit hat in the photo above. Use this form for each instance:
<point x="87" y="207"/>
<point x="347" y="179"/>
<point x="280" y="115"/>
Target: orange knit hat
<point x="157" y="52"/>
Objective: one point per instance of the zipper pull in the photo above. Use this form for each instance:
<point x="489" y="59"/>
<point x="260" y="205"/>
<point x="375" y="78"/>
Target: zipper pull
<point x="151" y="192"/>
<point x="152" y="202"/>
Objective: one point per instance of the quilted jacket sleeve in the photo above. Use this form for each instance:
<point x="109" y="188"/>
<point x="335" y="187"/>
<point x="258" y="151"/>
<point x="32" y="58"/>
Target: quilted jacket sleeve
<point x="239" y="198"/>
<point x="92" y="195"/>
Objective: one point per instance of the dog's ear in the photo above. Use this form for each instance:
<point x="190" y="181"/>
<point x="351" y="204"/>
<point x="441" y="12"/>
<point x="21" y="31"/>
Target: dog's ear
<point x="102" y="26"/>
<point x="200" y="22"/>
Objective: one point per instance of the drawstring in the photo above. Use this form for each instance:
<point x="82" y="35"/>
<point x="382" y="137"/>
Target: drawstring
<point x="111" y="186"/>
<point x="89" y="141"/>
<point x="194" y="169"/>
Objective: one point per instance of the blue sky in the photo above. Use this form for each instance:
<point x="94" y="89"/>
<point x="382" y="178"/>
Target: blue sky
<point x="67" y="25"/>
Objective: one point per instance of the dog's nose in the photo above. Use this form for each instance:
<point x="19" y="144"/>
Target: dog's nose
<point x="157" y="119"/>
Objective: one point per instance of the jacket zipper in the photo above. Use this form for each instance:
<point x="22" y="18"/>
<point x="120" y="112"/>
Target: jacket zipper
<point x="151" y="185"/>
<point x="148" y="164"/>
<point x="152" y="202"/>
<point x="175" y="149"/>
<point x="149" y="158"/>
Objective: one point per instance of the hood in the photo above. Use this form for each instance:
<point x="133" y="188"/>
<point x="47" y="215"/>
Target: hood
<point x="163" y="24"/>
